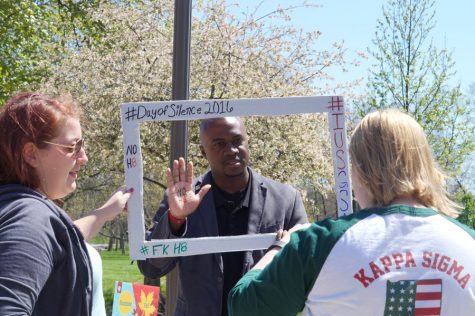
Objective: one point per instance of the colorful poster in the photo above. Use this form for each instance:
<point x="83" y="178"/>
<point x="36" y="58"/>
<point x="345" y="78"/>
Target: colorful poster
<point x="133" y="299"/>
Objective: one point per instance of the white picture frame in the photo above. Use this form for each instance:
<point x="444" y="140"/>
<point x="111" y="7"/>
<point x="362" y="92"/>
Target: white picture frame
<point x="132" y="114"/>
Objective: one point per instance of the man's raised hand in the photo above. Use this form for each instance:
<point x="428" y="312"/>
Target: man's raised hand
<point x="182" y="200"/>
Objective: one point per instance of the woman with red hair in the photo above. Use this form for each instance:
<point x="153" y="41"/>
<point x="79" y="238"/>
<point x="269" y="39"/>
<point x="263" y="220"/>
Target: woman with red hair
<point x="45" y="267"/>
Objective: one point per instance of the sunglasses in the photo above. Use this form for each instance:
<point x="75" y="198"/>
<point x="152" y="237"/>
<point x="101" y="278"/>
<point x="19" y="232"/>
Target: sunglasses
<point x="73" y="149"/>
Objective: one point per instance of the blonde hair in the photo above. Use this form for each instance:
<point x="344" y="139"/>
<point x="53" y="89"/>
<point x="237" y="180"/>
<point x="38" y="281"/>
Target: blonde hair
<point x="391" y="154"/>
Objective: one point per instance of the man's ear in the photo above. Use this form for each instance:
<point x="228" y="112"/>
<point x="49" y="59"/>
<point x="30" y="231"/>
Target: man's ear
<point x="203" y="152"/>
<point x="30" y="152"/>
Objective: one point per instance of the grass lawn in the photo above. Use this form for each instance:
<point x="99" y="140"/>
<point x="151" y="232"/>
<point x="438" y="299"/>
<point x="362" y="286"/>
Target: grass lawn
<point x="118" y="267"/>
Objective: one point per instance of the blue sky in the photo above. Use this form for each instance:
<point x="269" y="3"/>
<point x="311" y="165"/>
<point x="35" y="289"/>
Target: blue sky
<point x="354" y="21"/>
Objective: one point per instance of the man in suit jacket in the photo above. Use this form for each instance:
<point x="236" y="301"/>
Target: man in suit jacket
<point x="239" y="201"/>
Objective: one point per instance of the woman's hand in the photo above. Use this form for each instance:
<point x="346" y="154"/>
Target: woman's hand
<point x="284" y="235"/>
<point x="92" y="223"/>
<point x="116" y="204"/>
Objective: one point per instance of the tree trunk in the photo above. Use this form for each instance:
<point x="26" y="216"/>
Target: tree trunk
<point x="111" y="243"/>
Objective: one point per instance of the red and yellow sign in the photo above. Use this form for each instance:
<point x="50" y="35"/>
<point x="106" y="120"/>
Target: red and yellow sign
<point x="133" y="299"/>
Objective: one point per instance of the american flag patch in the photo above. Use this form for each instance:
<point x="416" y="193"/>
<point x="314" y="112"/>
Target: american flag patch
<point x="413" y="297"/>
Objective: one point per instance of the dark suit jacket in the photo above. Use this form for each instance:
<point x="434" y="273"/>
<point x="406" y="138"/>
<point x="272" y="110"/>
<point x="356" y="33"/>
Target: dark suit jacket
<point x="273" y="206"/>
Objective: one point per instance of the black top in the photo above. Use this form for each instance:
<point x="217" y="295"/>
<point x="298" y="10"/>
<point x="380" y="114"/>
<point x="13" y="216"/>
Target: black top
<point x="272" y="206"/>
<point x="44" y="263"/>
<point x="232" y="213"/>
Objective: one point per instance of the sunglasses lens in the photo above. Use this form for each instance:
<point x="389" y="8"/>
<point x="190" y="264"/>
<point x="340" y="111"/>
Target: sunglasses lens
<point x="78" y="146"/>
